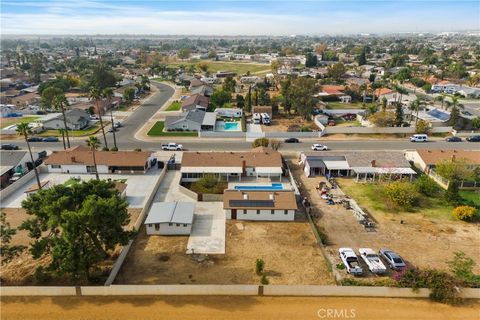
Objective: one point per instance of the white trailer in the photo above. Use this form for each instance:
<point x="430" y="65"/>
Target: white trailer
<point x="257" y="119"/>
<point x="265" y="119"/>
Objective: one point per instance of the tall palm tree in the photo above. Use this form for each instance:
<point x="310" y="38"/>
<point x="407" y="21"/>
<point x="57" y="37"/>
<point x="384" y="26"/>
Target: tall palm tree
<point x="59" y="103"/>
<point x="441" y="98"/>
<point x="94" y="144"/>
<point x="24" y="129"/>
<point x="107" y="93"/>
<point x="96" y="94"/>
<point x="62" y="132"/>
<point x="454" y="113"/>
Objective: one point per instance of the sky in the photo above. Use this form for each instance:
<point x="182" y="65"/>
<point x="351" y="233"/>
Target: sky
<point x="269" y="17"/>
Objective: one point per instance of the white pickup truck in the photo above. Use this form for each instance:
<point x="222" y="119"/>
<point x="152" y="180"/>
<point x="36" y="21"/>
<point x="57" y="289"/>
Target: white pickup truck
<point x="172" y="146"/>
<point x="350" y="260"/>
<point x="372" y="259"/>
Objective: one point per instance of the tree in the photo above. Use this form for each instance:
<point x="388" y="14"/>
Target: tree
<point x="311" y="60"/>
<point x="260" y="142"/>
<point x="462" y="267"/>
<point x="422" y="126"/>
<point x="362" y="58"/>
<point x="203" y="66"/>
<point x="24" y="129"/>
<point x="102" y="77"/>
<point x="259" y="266"/>
<point x="145" y="83"/>
<point x="60" y="102"/>
<point x="476" y="123"/>
<point x="383" y="119"/>
<point x="384" y="104"/>
<point x="229" y="85"/>
<point x="37" y="66"/>
<point x="94" y="144"/>
<point x="62" y="132"/>
<point x="184" y="53"/>
<point x="465" y="213"/>
<point x="452" y="194"/>
<point x="248" y="98"/>
<point x="402" y="194"/>
<point x="76" y="225"/>
<point x="426" y="186"/>
<point x="6" y="232"/>
<point x="301" y="95"/>
<point x="275" y="144"/>
<point x="398" y="114"/>
<point x="47" y="96"/>
<point x="219" y="98"/>
<point x="454" y="170"/>
<point x="212" y="54"/>
<point x="336" y="71"/>
<point x="455" y="112"/>
<point x="240" y="101"/>
<point x="107" y="93"/>
<point x="129" y="95"/>
<point x="96" y="94"/>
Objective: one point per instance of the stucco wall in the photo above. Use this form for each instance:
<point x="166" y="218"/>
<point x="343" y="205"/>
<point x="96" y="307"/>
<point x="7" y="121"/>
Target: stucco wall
<point x="166" y="229"/>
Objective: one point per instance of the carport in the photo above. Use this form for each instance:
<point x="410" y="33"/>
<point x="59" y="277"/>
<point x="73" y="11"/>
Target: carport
<point x="337" y="168"/>
<point x="366" y="174"/>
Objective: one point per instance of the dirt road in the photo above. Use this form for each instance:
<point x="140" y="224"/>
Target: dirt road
<point x="230" y="308"/>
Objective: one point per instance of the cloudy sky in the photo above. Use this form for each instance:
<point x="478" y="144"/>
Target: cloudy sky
<point x="269" y="17"/>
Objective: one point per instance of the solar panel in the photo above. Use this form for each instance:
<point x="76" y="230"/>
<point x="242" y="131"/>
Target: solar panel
<point x="251" y="203"/>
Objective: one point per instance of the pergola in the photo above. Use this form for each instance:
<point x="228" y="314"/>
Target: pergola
<point x="365" y="174"/>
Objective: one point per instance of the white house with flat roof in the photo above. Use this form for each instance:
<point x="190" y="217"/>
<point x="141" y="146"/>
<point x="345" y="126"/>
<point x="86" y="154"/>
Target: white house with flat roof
<point x="170" y="218"/>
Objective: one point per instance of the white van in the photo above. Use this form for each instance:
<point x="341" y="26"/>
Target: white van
<point x="265" y="119"/>
<point x="419" y="138"/>
<point x="257" y="119"/>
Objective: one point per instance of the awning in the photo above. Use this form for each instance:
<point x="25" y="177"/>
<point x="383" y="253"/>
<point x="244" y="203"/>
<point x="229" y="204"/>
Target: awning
<point x="268" y="170"/>
<point x="336" y="165"/>
<point x="383" y="170"/>
<point x="211" y="169"/>
<point x="209" y="119"/>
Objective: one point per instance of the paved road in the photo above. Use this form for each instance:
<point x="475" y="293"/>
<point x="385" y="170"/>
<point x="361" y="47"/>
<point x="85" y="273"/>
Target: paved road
<point x="208" y="307"/>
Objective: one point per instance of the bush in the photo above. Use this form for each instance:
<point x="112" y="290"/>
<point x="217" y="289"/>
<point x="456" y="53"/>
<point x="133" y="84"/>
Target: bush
<point x="104" y="149"/>
<point x="264" y="279"/>
<point x="402" y="194"/>
<point x="340" y="266"/>
<point x="260" y="142"/>
<point x="137" y="149"/>
<point x="209" y="184"/>
<point x="114" y="149"/>
<point x="427" y="186"/>
<point x="462" y="267"/>
<point x="465" y="213"/>
<point x="259" y="266"/>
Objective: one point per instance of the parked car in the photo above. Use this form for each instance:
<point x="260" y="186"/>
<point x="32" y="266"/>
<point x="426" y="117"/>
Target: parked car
<point x="50" y="139"/>
<point x="319" y="147"/>
<point x="10" y="146"/>
<point x="94" y="117"/>
<point x="34" y="139"/>
<point x="375" y="265"/>
<point x="350" y="260"/>
<point x="42" y="154"/>
<point x="419" y="138"/>
<point x="292" y="140"/>
<point x="473" y="139"/>
<point x="117" y="124"/>
<point x="172" y="146"/>
<point x="453" y="139"/>
<point x="16" y="176"/>
<point x="112" y="129"/>
<point x="467" y="113"/>
<point x="394" y="260"/>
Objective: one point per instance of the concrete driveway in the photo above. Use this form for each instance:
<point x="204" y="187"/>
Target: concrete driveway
<point x="208" y="229"/>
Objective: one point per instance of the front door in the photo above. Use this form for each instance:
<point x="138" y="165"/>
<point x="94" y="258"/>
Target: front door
<point x="234" y="214"/>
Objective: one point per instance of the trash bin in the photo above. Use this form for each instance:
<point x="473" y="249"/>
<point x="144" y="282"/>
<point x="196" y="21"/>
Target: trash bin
<point x="160" y="164"/>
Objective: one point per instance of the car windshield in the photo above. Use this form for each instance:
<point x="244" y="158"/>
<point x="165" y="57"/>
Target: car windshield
<point x="397" y="260"/>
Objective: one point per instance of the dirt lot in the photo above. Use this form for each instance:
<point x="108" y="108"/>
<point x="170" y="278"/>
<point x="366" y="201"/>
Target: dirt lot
<point x="282" y="122"/>
<point x="289" y="250"/>
<point x="422" y="241"/>
<point x="201" y="307"/>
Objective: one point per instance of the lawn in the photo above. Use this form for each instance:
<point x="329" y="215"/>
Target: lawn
<point x="157" y="131"/>
<point x="470" y="195"/>
<point x="239" y="68"/>
<point x="77" y="133"/>
<point x="339" y="105"/>
<point x="372" y="197"/>
<point x="174" y="106"/>
<point x="5" y="122"/>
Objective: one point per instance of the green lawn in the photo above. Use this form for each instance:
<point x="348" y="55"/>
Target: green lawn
<point x="78" y="133"/>
<point x="233" y="66"/>
<point x="339" y="105"/>
<point x="471" y="195"/>
<point x="157" y="131"/>
<point x="175" y="106"/>
<point x="5" y="122"/>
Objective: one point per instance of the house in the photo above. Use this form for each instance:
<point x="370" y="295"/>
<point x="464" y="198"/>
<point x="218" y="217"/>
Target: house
<point x="26" y="99"/>
<point x="278" y="205"/>
<point x="229" y="112"/>
<point x="6" y="110"/>
<point x="170" y="218"/>
<point x="196" y="83"/>
<point x="365" y="165"/>
<point x="76" y="120"/>
<point x="11" y="162"/>
<point x="203" y="90"/>
<point x="263" y="109"/>
<point x="258" y="163"/>
<point x="79" y="159"/>
<point x="196" y="101"/>
<point x="331" y="90"/>
<point x="193" y="120"/>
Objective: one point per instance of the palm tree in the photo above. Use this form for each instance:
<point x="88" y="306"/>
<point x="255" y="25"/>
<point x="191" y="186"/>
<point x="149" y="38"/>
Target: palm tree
<point x="59" y="103"/>
<point x="62" y="132"/>
<point x="24" y="129"/>
<point x="108" y="94"/>
<point x="441" y="98"/>
<point x="94" y="144"/>
<point x="455" y="104"/>
<point x="96" y="94"/>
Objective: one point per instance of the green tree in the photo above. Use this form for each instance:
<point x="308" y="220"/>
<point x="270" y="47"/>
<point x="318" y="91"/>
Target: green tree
<point x="476" y="123"/>
<point x="102" y="77"/>
<point x="60" y="102"/>
<point x="462" y="266"/>
<point x="47" y="96"/>
<point x="240" y="101"/>
<point x="336" y="71"/>
<point x="422" y="126"/>
<point x="76" y="225"/>
<point x="94" y="144"/>
<point x="24" y="130"/>
<point x="362" y="58"/>
<point x="219" y="98"/>
<point x="96" y="94"/>
<point x="6" y="232"/>
<point x="259" y="266"/>
<point x="260" y="142"/>
<point x="129" y="95"/>
<point x="398" y="114"/>
<point x="301" y="94"/>
<point x="145" y="83"/>
<point x="455" y="112"/>
<point x="311" y="60"/>
<point x="184" y="53"/>
<point x="402" y="194"/>
<point x="229" y="85"/>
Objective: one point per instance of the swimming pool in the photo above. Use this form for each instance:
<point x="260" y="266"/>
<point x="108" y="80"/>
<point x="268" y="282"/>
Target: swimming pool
<point x="273" y="186"/>
<point x="231" y="126"/>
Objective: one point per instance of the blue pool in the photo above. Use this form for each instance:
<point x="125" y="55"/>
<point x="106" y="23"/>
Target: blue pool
<point x="231" y="126"/>
<point x="273" y="186"/>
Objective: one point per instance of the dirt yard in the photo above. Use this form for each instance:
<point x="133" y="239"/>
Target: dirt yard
<point x="422" y="241"/>
<point x="282" y="122"/>
<point x="289" y="250"/>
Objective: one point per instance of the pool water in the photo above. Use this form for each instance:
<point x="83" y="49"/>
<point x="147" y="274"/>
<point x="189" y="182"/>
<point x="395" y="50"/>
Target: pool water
<point x="231" y="126"/>
<point x="273" y="186"/>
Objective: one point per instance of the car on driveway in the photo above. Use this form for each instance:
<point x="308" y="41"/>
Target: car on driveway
<point x="292" y="140"/>
<point x="394" y="260"/>
<point x="350" y="261"/>
<point x="319" y="147"/>
<point x="473" y="139"/>
<point x="10" y="146"/>
<point x="453" y="139"/>
<point x="50" y="139"/>
<point x="34" y="139"/>
<point x="375" y="265"/>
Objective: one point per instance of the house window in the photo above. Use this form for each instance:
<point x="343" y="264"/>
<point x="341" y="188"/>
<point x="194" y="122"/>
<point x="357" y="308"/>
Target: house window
<point x="184" y="224"/>
<point x="258" y="211"/>
<point x="170" y="224"/>
<point x="178" y="224"/>
<point x="286" y="211"/>
<point x="157" y="226"/>
<point x="91" y="169"/>
<point x="56" y="166"/>
<point x="272" y="212"/>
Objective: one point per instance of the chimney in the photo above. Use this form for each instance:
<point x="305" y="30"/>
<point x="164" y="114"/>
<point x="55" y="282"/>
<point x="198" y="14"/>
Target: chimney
<point x="373" y="162"/>
<point x="72" y="158"/>
<point x="271" y="196"/>
<point x="245" y="196"/>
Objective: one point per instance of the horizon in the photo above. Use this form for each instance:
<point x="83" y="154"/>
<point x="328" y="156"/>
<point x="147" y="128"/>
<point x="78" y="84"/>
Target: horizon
<point x="237" y="18"/>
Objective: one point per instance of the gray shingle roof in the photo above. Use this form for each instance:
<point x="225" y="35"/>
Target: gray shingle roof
<point x="171" y="212"/>
<point x="11" y="158"/>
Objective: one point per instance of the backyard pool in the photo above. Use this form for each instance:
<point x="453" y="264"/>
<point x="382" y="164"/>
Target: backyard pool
<point x="231" y="126"/>
<point x="273" y="186"/>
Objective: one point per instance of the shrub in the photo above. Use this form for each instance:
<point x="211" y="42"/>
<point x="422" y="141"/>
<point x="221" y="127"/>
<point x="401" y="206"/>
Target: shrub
<point x="462" y="267"/>
<point x="114" y="149"/>
<point x="402" y="194"/>
<point x="209" y="184"/>
<point x="427" y="186"/>
<point x="104" y="149"/>
<point x="422" y="127"/>
<point x="340" y="266"/>
<point x="465" y="213"/>
<point x="260" y="142"/>
<point x="259" y="266"/>
<point x="264" y="279"/>
<point x="452" y="195"/>
<point x="137" y="149"/>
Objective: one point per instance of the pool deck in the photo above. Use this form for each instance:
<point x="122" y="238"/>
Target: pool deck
<point x="258" y="185"/>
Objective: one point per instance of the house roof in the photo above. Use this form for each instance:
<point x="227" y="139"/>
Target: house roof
<point x="432" y="157"/>
<point x="11" y="158"/>
<point x="333" y="90"/>
<point x="81" y="155"/>
<point x="171" y="212"/>
<point x="196" y="99"/>
<point x="196" y="83"/>
<point x="362" y="159"/>
<point x="382" y="91"/>
<point x="203" y="90"/>
<point x="256" y="158"/>
<point x="262" y="200"/>
<point x="73" y="116"/>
